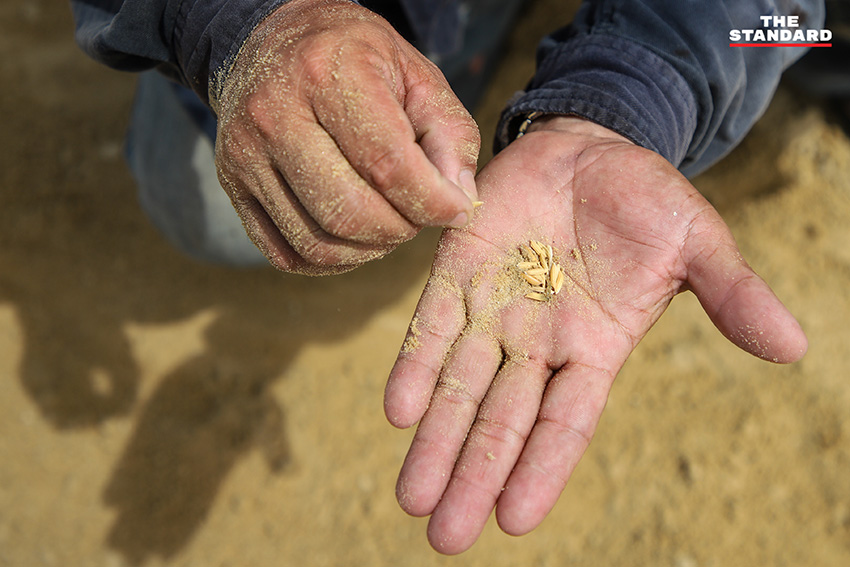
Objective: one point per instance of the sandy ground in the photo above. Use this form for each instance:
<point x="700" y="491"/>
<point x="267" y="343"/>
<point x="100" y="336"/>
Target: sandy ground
<point x="154" y="411"/>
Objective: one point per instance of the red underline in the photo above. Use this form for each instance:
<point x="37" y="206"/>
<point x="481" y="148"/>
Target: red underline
<point x="765" y="44"/>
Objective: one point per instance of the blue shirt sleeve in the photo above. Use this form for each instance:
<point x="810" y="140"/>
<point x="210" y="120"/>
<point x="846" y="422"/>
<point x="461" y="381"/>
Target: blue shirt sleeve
<point x="662" y="73"/>
<point x="190" y="41"/>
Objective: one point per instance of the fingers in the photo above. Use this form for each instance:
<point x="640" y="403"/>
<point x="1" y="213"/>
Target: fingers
<point x="519" y="453"/>
<point x="361" y="111"/>
<point x="439" y="319"/>
<point x="318" y="100"/>
<point x="337" y="199"/>
<point x="737" y="300"/>
<point x="291" y="240"/>
<point x="463" y="383"/>
<point x="487" y="440"/>
<point x="489" y="452"/>
<point x="568" y="416"/>
<point x="314" y="217"/>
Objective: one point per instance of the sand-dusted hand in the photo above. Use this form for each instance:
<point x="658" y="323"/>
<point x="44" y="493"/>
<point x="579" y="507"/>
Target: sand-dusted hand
<point x="338" y="140"/>
<point x="508" y="386"/>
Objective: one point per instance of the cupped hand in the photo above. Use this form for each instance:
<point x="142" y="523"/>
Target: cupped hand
<point x="508" y="390"/>
<point x="338" y="140"/>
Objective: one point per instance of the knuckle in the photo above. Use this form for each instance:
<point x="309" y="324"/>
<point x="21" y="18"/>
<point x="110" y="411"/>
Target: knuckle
<point x="580" y="432"/>
<point x="456" y="393"/>
<point x="352" y="219"/>
<point x="314" y="61"/>
<point x="321" y="256"/>
<point x="323" y="53"/>
<point x="256" y="104"/>
<point x="316" y="252"/>
<point x="256" y="123"/>
<point x="470" y="135"/>
<point x="343" y="218"/>
<point x="499" y="432"/>
<point x="381" y="170"/>
<point x="282" y="263"/>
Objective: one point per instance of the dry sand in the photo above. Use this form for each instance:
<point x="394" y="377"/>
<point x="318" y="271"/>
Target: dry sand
<point x="154" y="411"/>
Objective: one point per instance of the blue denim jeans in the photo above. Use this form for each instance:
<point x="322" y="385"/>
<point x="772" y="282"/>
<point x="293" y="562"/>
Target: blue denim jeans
<point x="170" y="153"/>
<point x="172" y="135"/>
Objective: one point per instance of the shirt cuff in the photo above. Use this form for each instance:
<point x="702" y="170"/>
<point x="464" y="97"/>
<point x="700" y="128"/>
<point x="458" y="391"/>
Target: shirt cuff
<point x="613" y="82"/>
<point x="208" y="35"/>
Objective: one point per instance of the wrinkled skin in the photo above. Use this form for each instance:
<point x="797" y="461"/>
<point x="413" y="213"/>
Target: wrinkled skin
<point x="506" y="411"/>
<point x="338" y="140"/>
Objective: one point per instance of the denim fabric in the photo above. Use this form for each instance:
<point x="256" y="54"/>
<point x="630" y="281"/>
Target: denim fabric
<point x="171" y="158"/>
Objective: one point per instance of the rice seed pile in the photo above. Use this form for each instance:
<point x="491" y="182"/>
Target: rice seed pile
<point x="541" y="271"/>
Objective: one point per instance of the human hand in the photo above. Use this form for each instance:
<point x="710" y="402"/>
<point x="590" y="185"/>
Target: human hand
<point x="338" y="140"/>
<point x="509" y="390"/>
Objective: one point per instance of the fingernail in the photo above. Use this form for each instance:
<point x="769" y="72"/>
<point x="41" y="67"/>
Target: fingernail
<point x="460" y="221"/>
<point x="466" y="180"/>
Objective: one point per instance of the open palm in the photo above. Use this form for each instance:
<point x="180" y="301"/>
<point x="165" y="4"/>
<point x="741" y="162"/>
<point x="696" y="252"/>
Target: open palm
<point x="508" y="389"/>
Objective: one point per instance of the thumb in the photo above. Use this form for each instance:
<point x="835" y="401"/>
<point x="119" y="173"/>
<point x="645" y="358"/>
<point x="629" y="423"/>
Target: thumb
<point x="738" y="301"/>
